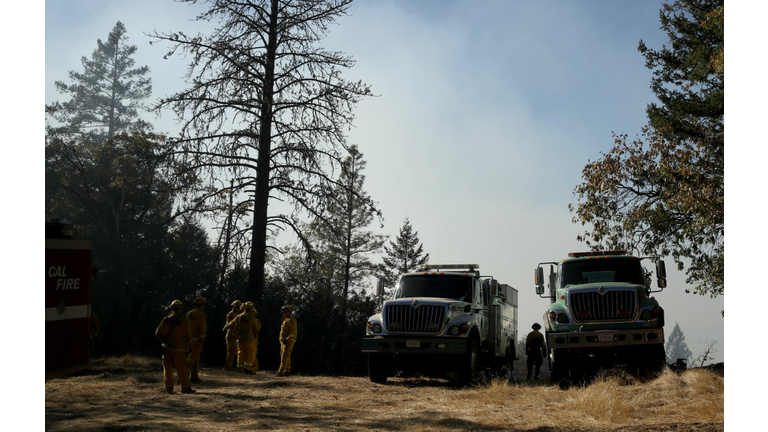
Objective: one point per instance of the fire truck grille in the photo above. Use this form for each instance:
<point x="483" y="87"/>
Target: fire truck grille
<point x="609" y="306"/>
<point x="422" y="319"/>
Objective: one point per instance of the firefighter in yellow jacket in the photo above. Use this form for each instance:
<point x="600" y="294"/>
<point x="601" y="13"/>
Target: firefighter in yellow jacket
<point x="198" y="325"/>
<point x="287" y="340"/>
<point x="248" y="327"/>
<point x="231" y="335"/>
<point x="174" y="334"/>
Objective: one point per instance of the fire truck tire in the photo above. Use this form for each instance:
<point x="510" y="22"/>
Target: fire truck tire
<point x="560" y="372"/>
<point x="377" y="369"/>
<point x="468" y="371"/>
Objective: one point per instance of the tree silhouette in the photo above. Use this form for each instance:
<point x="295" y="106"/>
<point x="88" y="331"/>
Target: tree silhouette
<point x="676" y="347"/>
<point x="402" y="255"/>
<point x="267" y="111"/>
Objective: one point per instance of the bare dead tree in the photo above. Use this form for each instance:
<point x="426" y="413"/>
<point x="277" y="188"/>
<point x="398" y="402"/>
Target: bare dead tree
<point x="707" y="354"/>
<point x="266" y="110"/>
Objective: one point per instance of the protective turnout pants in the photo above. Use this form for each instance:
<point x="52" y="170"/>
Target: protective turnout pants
<point x="246" y="356"/>
<point x="231" y="353"/>
<point x="193" y="360"/>
<point x="285" y="357"/>
<point x="176" y="359"/>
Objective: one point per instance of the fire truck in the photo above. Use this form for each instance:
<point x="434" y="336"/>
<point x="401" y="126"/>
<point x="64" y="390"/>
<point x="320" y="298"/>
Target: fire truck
<point x="443" y="320"/>
<point x="68" y="277"/>
<point x="602" y="315"/>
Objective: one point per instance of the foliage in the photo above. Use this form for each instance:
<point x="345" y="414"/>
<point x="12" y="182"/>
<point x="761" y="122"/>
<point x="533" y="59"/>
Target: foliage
<point x="342" y="232"/>
<point x="266" y="112"/>
<point x="663" y="193"/>
<point x="106" y="96"/>
<point x="676" y="347"/>
<point x="402" y="255"/>
<point x="110" y="177"/>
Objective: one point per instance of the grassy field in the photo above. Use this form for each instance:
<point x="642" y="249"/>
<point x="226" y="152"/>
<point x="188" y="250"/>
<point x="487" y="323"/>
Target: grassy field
<point x="126" y="394"/>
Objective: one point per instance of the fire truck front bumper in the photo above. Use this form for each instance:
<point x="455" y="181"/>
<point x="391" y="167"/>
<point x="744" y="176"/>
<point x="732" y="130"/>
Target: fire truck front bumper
<point x="414" y="345"/>
<point x="603" y="338"/>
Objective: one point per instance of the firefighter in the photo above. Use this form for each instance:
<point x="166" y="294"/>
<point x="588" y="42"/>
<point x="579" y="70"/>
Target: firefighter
<point x="248" y="327"/>
<point x="174" y="334"/>
<point x="198" y="325"/>
<point x="287" y="340"/>
<point x="231" y="336"/>
<point x="536" y="350"/>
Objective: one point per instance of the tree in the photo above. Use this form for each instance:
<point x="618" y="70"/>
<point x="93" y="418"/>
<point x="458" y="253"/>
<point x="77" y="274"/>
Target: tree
<point x="663" y="193"/>
<point x="342" y="232"/>
<point x="402" y="255"/>
<point x="106" y="97"/>
<point x="706" y="355"/>
<point x="262" y="72"/>
<point x="676" y="347"/>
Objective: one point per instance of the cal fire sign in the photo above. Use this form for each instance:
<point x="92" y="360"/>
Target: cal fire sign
<point x="67" y="302"/>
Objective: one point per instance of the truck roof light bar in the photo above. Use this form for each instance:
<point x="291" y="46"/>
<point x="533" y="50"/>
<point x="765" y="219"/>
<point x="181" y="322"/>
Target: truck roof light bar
<point x="471" y="267"/>
<point x="597" y="253"/>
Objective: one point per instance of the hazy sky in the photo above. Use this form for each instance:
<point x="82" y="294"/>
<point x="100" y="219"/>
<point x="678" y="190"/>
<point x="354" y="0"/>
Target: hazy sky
<point x="487" y="112"/>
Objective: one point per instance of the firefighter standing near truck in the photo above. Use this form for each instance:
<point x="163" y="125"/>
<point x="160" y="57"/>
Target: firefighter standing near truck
<point x="197" y="326"/>
<point x="536" y="350"/>
<point x="288" y="332"/>
<point x="174" y="334"/>
<point x="248" y="327"/>
<point x="231" y="336"/>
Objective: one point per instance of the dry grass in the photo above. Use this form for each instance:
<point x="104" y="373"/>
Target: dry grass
<point x="108" y="400"/>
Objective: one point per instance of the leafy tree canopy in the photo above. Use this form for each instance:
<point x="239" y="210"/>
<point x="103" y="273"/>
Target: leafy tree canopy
<point x="663" y="193"/>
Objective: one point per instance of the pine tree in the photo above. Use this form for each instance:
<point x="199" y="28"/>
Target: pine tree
<point x="268" y="107"/>
<point x="676" y="347"/>
<point x="343" y="232"/>
<point x="106" y="97"/>
<point x="403" y="255"/>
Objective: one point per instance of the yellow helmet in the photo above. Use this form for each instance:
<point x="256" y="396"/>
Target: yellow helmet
<point x="287" y="308"/>
<point x="175" y="303"/>
<point x="237" y="303"/>
<point x="198" y="301"/>
<point x="247" y="305"/>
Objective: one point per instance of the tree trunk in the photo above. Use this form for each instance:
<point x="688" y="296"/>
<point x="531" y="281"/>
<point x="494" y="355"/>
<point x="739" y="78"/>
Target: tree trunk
<point x="261" y="200"/>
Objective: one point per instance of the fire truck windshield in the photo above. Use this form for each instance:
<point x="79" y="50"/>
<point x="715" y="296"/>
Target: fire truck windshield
<point x="441" y="286"/>
<point x="601" y="270"/>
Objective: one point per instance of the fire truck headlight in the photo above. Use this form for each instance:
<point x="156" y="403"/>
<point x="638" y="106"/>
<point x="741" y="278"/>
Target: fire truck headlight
<point x="454" y="330"/>
<point x="376" y="328"/>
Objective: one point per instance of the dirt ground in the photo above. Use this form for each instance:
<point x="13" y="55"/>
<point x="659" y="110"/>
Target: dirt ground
<point x="131" y="398"/>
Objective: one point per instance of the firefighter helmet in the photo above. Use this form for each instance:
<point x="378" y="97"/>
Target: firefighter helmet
<point x="175" y="303"/>
<point x="237" y="303"/>
<point x="198" y="301"/>
<point x="287" y="308"/>
<point x="247" y="305"/>
<point x="536" y="326"/>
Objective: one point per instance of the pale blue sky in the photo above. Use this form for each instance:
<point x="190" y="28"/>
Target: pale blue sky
<point x="486" y="115"/>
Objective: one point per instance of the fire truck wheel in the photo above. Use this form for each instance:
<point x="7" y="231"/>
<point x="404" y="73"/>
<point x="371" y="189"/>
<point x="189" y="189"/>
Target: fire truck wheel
<point x="377" y="369"/>
<point x="468" y="371"/>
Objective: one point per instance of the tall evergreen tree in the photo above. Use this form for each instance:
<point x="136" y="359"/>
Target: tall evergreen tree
<point x="107" y="96"/>
<point x="262" y="71"/>
<point x="663" y="193"/>
<point x="402" y="255"/>
<point x="343" y="232"/>
<point x="676" y="347"/>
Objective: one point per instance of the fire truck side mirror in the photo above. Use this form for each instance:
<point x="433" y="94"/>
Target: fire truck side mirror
<point x="494" y="288"/>
<point x="380" y="291"/>
<point x="539" y="276"/>
<point x="661" y="274"/>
